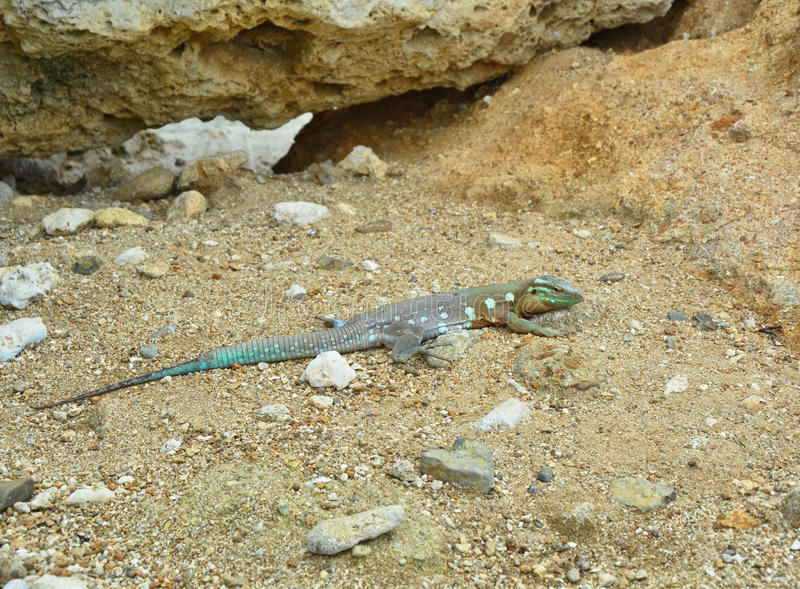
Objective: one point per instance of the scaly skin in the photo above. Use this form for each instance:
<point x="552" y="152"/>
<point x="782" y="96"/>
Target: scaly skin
<point x="401" y="326"/>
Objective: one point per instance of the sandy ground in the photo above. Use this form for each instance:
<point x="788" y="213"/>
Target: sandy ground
<point x="208" y="515"/>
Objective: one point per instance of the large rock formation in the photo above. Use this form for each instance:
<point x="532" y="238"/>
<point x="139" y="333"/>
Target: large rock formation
<point x="76" y="74"/>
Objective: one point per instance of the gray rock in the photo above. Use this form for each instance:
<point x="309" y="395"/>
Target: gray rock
<point x="87" y="265"/>
<point x="612" y="277"/>
<point x="299" y="212"/>
<point x="20" y="286"/>
<point x="149" y="351"/>
<point x="404" y="471"/>
<point x="504" y="416"/>
<point x="331" y="263"/>
<point x="676" y="316"/>
<point x="545" y="475"/>
<point x="187" y="205"/>
<point x="557" y="364"/>
<point x="338" y="534"/>
<point x="452" y="345"/>
<point x="573" y="575"/>
<point x="640" y="493"/>
<point x="132" y="255"/>
<point x="13" y="491"/>
<point x="707" y="323"/>
<point x="468" y="463"/>
<point x="151" y="184"/>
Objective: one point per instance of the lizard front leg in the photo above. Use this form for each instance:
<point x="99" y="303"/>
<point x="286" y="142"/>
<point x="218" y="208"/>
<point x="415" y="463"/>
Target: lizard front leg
<point x="519" y="325"/>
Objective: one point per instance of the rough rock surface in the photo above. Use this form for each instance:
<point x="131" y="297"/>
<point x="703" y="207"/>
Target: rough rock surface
<point x="78" y="75"/>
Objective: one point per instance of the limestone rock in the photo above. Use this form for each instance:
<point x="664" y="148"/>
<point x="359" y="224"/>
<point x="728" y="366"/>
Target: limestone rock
<point x="338" y="534"/>
<point x="363" y="161"/>
<point x="468" y="463"/>
<point x="20" y="285"/>
<point x="90" y="495"/>
<point x="78" y="76"/>
<point x="67" y="221"/>
<point x="20" y="334"/>
<point x="506" y="415"/>
<point x="299" y="212"/>
<point x="640" y="493"/>
<point x="329" y="369"/>
<point x="149" y="185"/>
<point x="118" y="217"/>
<point x="187" y="205"/>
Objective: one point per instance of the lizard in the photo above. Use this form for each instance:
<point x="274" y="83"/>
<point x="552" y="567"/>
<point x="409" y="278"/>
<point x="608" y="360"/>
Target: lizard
<point x="402" y="326"/>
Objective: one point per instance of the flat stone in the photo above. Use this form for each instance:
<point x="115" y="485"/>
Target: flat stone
<point x="706" y="322"/>
<point x="187" y="205"/>
<point x="321" y="401"/>
<point x="149" y="185"/>
<point x="149" y="351"/>
<point x="561" y="365"/>
<point x="155" y="269"/>
<point x="67" y="221"/>
<point x="329" y="369"/>
<point x="20" y="334"/>
<point x="49" y="581"/>
<point x="118" y="217"/>
<point x="207" y="174"/>
<point x="19" y="285"/>
<point x="132" y="255"/>
<point x="379" y="226"/>
<point x="338" y="534"/>
<point x="579" y="521"/>
<point x="468" y="463"/>
<point x="640" y="493"/>
<point x="275" y="412"/>
<point x="612" y="277"/>
<point x="369" y="265"/>
<point x="22" y="202"/>
<point x="504" y="242"/>
<point x="14" y="491"/>
<point x="360" y="551"/>
<point x="676" y="316"/>
<point x="363" y="161"/>
<point x="89" y="496"/>
<point x="87" y="265"/>
<point x="331" y="263"/>
<point x="299" y="212"/>
<point x="504" y="416"/>
<point x="45" y="499"/>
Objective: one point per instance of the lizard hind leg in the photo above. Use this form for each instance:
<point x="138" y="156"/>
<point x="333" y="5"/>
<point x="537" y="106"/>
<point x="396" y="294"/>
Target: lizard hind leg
<point x="406" y="342"/>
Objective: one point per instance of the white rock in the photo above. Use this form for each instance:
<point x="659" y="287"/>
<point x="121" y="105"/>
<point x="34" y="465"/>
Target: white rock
<point x="362" y="160"/>
<point x="52" y="582"/>
<point x="21" y="507"/>
<point x="369" y="265"/>
<point x="795" y="545"/>
<point x="504" y="242"/>
<point x="44" y="499"/>
<point x="90" y="495"/>
<point x="20" y="284"/>
<point x="321" y="401"/>
<point x="506" y="415"/>
<point x="582" y="233"/>
<point x="403" y="470"/>
<point x="60" y="415"/>
<point x="677" y="384"/>
<point x="329" y="369"/>
<point x="276" y="412"/>
<point x="170" y="445"/>
<point x="299" y="212"/>
<point x="16" y="584"/>
<point x="338" y="534"/>
<point x="132" y="255"/>
<point x="125" y="479"/>
<point x="20" y="334"/>
<point x="296" y="293"/>
<point x="67" y="221"/>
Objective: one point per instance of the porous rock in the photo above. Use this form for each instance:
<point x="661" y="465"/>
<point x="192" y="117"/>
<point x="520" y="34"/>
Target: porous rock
<point x="78" y="76"/>
<point x="338" y="534"/>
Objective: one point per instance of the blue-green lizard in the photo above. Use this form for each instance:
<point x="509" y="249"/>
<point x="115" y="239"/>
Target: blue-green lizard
<point x="401" y="326"/>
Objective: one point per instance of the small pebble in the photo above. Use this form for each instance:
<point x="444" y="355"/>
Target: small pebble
<point x="504" y="416"/>
<point x="676" y="316"/>
<point x="338" y="534"/>
<point x="170" y="445"/>
<point x="545" y="475"/>
<point x="299" y="212"/>
<point x="403" y="470"/>
<point x="321" y="401"/>
<point x="329" y="369"/>
<point x="363" y="161"/>
<point x="149" y="351"/>
<point x="296" y="293"/>
<point x="132" y="255"/>
<point x="360" y="551"/>
<point x="504" y="242"/>
<point x="369" y="265"/>
<point x="276" y="412"/>
<point x="573" y="575"/>
<point x="612" y="277"/>
<point x="67" y="221"/>
<point x="677" y="384"/>
<point x="87" y="265"/>
<point x="152" y="269"/>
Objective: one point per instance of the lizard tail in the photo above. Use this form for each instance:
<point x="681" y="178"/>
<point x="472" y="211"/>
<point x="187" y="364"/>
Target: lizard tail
<point x="195" y="365"/>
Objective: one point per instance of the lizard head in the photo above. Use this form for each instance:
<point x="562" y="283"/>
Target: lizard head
<point x="556" y="293"/>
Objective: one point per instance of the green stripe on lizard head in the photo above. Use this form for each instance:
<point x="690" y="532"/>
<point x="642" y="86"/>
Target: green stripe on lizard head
<point x="556" y="293"/>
